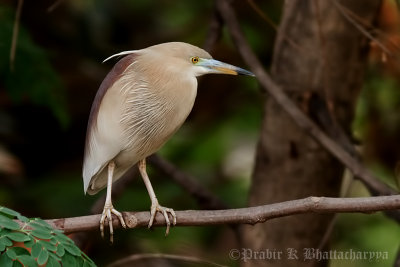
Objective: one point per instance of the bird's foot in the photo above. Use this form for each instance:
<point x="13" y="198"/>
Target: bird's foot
<point x="156" y="207"/>
<point x="106" y="215"/>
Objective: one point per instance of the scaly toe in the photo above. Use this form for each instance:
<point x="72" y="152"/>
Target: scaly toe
<point x="107" y="216"/>
<point x="153" y="211"/>
<point x="173" y="216"/>
<point x="120" y="217"/>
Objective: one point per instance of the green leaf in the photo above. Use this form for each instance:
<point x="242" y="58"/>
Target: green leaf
<point x="54" y="256"/>
<point x="88" y="264"/>
<point x="11" y="253"/>
<point x="10" y="212"/>
<point x="69" y="261"/>
<point x="42" y="234"/>
<point x="40" y="226"/>
<point x="30" y="242"/>
<point x="47" y="245"/>
<point x="63" y="239"/>
<point x="36" y="249"/>
<point x="53" y="241"/>
<point x="23" y="218"/>
<point x="84" y="256"/>
<point x="27" y="260"/>
<point x="60" y="250"/>
<point x="79" y="261"/>
<point x="8" y="223"/>
<point x="17" y="264"/>
<point x="5" y="241"/>
<point x="51" y="262"/>
<point x="18" y="237"/>
<point x="5" y="261"/>
<point x="42" y="223"/>
<point x="58" y="231"/>
<point x="20" y="251"/>
<point x="74" y="250"/>
<point x="43" y="256"/>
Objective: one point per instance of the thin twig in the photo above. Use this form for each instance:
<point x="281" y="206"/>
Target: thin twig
<point x="204" y="197"/>
<point x="15" y="34"/>
<point x="258" y="10"/>
<point x="372" y="28"/>
<point x="251" y="215"/>
<point x="146" y="256"/>
<point x="54" y="5"/>
<point x="349" y="16"/>
<point x="354" y="165"/>
<point x="274" y="26"/>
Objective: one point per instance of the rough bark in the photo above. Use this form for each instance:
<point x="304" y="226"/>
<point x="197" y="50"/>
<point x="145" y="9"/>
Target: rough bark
<point x="323" y="73"/>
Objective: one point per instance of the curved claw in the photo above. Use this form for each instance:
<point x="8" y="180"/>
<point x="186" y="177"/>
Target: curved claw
<point x="107" y="211"/>
<point x="157" y="207"/>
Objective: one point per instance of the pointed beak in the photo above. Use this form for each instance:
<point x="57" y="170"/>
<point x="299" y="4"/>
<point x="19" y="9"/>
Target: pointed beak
<point x="215" y="66"/>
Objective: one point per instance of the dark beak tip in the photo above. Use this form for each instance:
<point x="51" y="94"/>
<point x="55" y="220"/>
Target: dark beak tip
<point x="247" y="73"/>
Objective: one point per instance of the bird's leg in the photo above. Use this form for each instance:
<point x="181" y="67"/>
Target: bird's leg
<point x="108" y="206"/>
<point x="154" y="202"/>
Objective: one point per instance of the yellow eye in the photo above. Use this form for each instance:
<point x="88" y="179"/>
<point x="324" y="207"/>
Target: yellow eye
<point x="194" y="60"/>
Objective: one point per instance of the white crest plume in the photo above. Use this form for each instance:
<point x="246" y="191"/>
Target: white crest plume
<point x="123" y="53"/>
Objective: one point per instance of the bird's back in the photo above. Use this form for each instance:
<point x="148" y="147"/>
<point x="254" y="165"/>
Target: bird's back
<point x="102" y="129"/>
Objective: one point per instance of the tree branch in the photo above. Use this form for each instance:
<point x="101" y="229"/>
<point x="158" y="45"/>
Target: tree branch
<point x="203" y="196"/>
<point x="375" y="186"/>
<point x="251" y="215"/>
<point x="351" y="17"/>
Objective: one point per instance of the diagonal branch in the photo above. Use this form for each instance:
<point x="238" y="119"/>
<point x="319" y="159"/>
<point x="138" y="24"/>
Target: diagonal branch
<point x="258" y="10"/>
<point x="251" y="215"/>
<point x="54" y="5"/>
<point x="350" y="16"/>
<point x="354" y="165"/>
<point x="204" y="197"/>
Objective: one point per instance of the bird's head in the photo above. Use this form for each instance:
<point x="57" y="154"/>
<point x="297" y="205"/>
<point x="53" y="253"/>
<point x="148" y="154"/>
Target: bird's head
<point x="186" y="58"/>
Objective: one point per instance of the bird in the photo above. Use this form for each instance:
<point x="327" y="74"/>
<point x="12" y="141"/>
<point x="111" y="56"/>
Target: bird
<point x="140" y="104"/>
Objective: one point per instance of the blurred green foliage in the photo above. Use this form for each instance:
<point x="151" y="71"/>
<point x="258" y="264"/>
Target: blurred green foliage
<point x="370" y="233"/>
<point x="381" y="98"/>
<point x="30" y="78"/>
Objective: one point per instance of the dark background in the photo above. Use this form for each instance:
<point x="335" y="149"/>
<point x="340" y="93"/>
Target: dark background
<point x="46" y="95"/>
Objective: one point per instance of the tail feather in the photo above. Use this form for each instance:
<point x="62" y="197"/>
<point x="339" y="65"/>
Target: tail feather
<point x="99" y="181"/>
